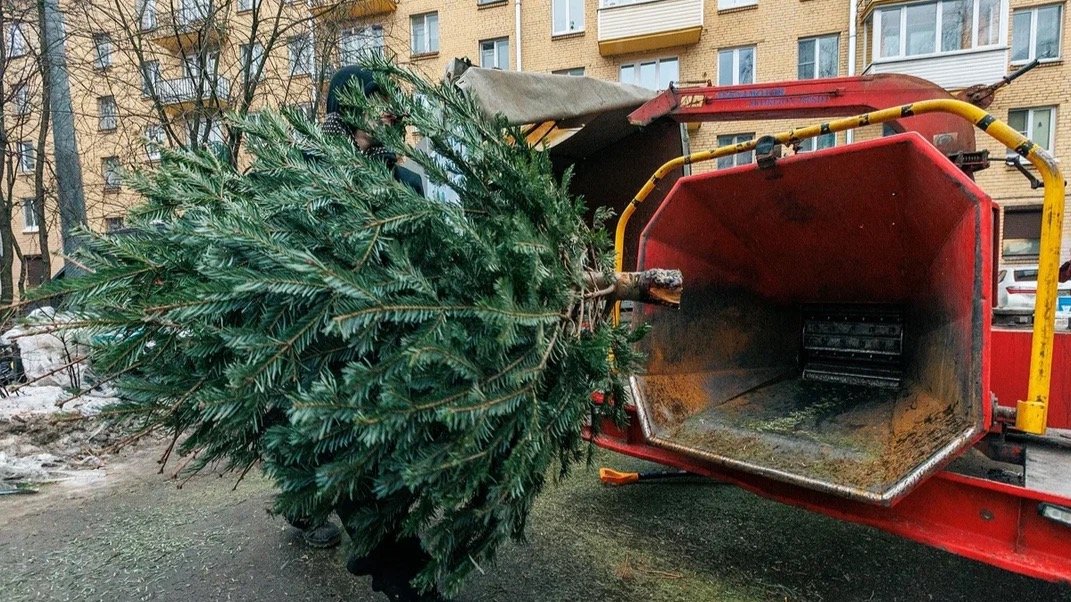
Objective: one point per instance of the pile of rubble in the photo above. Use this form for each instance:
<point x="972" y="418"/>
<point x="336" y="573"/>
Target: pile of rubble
<point x="48" y="430"/>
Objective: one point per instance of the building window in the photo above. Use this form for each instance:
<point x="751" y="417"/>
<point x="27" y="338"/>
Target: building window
<point x="738" y="158"/>
<point x="109" y="113"/>
<point x="205" y="66"/>
<point x="727" y="4"/>
<point x="27" y="156"/>
<point x="819" y="57"/>
<point x="424" y="33"/>
<point x="103" y="44"/>
<point x="1036" y="124"/>
<point x="29" y="215"/>
<point x="193" y="11"/>
<point x="34" y="268"/>
<point x="305" y="109"/>
<point x="818" y="143"/>
<point x="736" y="66"/>
<point x="147" y="14"/>
<point x="16" y="40"/>
<point x="113" y="224"/>
<point x="1036" y="33"/>
<point x="150" y="76"/>
<point x="575" y="71"/>
<point x="110" y="168"/>
<point x="299" y="49"/>
<point x="154" y="141"/>
<point x="1021" y="235"/>
<point x="494" y="54"/>
<point x="206" y="132"/>
<point x="252" y="59"/>
<point x="244" y="5"/>
<point x="567" y="16"/>
<point x="655" y="75"/>
<point x="934" y="27"/>
<point x="22" y="99"/>
<point x="358" y="43"/>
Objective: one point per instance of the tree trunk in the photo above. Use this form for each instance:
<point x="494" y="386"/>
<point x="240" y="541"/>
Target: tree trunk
<point x="42" y="140"/>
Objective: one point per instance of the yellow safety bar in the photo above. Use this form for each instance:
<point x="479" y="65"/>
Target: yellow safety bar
<point x="1031" y="414"/>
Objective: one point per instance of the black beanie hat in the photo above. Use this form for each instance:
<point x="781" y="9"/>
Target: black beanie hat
<point x="345" y="77"/>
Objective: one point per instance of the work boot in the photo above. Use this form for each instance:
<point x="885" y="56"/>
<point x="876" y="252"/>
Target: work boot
<point x="322" y="536"/>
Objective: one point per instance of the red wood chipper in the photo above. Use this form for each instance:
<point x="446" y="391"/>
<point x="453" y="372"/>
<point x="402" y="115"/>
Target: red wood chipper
<point x="833" y="347"/>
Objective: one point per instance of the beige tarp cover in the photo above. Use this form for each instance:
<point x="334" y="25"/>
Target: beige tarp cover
<point x="536" y="97"/>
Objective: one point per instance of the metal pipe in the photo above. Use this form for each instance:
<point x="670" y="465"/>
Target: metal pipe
<point x="1032" y="413"/>
<point x="853" y="34"/>
<point x="517" y="33"/>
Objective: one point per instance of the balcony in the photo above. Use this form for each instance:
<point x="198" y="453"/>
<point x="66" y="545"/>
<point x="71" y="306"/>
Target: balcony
<point x="638" y="26"/>
<point x="950" y="70"/>
<point x="183" y="94"/>
<point x="348" y="10"/>
<point x="190" y="26"/>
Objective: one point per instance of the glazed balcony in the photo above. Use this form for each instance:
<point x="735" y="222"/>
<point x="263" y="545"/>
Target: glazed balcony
<point x="638" y="26"/>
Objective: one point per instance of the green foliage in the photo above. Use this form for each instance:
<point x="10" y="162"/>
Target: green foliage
<point x="423" y="364"/>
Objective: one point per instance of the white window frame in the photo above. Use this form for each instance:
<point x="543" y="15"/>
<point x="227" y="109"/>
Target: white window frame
<point x="108" y="113"/>
<point x="817" y="58"/>
<point x="736" y="64"/>
<point x="29" y="215"/>
<point x="820" y="142"/>
<point x="1029" y="133"/>
<point x="146" y="14"/>
<point x="428" y="24"/>
<point x="635" y="68"/>
<point x="495" y="45"/>
<point x="102" y="44"/>
<point x="155" y="137"/>
<point x="17" y="42"/>
<point x="150" y="77"/>
<point x="253" y="56"/>
<point x="1033" y="43"/>
<point x="737" y="158"/>
<point x="573" y="71"/>
<point x="212" y="127"/>
<point x="301" y="55"/>
<point x="558" y="7"/>
<point x="901" y="9"/>
<point x="27" y="156"/>
<point x="109" y="171"/>
<point x="356" y="43"/>
<point x="731" y="4"/>
<point x="21" y="99"/>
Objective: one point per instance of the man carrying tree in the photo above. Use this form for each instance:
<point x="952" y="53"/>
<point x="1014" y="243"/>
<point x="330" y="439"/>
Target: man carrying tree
<point x="397" y="559"/>
<point x="418" y="368"/>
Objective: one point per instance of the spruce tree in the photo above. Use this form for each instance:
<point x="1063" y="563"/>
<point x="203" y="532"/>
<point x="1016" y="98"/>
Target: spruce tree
<point x="427" y="364"/>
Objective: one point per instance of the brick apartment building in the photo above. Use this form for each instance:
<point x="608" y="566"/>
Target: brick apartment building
<point x="158" y="72"/>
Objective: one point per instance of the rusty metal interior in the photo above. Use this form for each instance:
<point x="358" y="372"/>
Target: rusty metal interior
<point x="830" y="333"/>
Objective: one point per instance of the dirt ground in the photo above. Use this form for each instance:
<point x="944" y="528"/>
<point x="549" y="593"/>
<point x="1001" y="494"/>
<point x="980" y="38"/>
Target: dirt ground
<point x="134" y="535"/>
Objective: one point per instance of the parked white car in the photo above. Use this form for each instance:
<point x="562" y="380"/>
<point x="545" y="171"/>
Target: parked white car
<point x="1017" y="287"/>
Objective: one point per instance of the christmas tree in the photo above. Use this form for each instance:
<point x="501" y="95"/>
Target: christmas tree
<point x="424" y="364"/>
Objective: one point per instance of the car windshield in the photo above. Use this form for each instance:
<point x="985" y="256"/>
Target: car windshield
<point x="1026" y="275"/>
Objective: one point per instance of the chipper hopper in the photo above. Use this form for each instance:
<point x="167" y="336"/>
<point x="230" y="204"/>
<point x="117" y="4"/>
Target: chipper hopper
<point x="833" y="346"/>
<point x="832" y="328"/>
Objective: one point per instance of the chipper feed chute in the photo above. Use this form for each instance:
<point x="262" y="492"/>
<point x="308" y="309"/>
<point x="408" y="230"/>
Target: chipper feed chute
<point x="833" y="328"/>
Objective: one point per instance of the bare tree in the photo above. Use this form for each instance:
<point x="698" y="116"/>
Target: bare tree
<point x="21" y="89"/>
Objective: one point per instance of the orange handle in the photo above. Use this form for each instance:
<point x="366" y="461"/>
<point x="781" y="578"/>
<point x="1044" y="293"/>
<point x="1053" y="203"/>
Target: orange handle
<point x="610" y="476"/>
